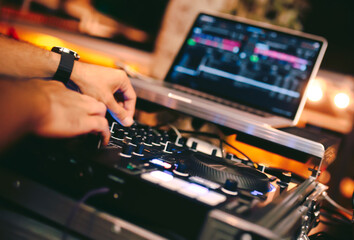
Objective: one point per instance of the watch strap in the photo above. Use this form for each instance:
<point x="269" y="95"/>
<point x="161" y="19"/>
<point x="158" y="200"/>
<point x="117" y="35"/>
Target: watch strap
<point x="65" y="68"/>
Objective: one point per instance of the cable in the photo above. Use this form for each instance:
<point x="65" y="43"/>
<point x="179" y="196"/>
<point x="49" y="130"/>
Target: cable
<point x="238" y="150"/>
<point x="212" y="135"/>
<point x="91" y="193"/>
<point x="336" y="205"/>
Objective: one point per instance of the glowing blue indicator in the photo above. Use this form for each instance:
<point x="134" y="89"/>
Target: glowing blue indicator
<point x="272" y="188"/>
<point x="256" y="193"/>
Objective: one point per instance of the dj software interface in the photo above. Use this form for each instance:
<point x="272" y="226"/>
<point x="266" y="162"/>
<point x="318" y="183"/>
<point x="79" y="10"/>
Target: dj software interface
<point x="235" y="61"/>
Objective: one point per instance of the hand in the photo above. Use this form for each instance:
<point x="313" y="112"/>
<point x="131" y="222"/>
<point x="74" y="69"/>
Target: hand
<point x="65" y="113"/>
<point x="108" y="85"/>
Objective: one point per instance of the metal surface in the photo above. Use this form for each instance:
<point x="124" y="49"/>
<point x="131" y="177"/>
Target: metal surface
<point x="58" y="208"/>
<point x="281" y="219"/>
<point x="160" y="93"/>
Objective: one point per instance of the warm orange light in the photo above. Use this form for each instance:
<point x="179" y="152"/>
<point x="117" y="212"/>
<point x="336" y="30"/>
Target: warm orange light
<point x="347" y="187"/>
<point x="315" y="92"/>
<point x="342" y="100"/>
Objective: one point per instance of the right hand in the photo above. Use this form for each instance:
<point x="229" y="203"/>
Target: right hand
<point x="65" y="113"/>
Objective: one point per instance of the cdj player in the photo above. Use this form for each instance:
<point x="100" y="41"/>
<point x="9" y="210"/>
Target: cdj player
<point x="152" y="179"/>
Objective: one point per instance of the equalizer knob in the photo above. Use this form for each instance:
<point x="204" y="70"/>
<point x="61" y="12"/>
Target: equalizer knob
<point x="139" y="150"/>
<point x="230" y="187"/>
<point x="181" y="170"/>
<point x="149" y="139"/>
<point x="127" y="150"/>
<point x="136" y="139"/>
<point x="119" y="134"/>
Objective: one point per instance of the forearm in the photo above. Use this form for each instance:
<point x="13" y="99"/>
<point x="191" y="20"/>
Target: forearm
<point x="21" y="110"/>
<point x="21" y="59"/>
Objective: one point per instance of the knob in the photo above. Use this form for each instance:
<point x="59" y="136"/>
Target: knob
<point x="139" y="151"/>
<point x="230" y="187"/>
<point x="168" y="147"/>
<point x="181" y="170"/>
<point x="229" y="156"/>
<point x="156" y="140"/>
<point x="142" y="132"/>
<point x="194" y="146"/>
<point x="131" y="132"/>
<point x="164" y="138"/>
<point x="127" y="150"/>
<point x="136" y="139"/>
<point x="285" y="177"/>
<point x="119" y="134"/>
<point x="214" y="152"/>
<point x="149" y="139"/>
<point x="179" y="142"/>
<point x="115" y="127"/>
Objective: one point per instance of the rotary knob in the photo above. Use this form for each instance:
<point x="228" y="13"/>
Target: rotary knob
<point x="181" y="170"/>
<point x="119" y="134"/>
<point x="139" y="150"/>
<point x="127" y="150"/>
<point x="149" y="139"/>
<point x="230" y="187"/>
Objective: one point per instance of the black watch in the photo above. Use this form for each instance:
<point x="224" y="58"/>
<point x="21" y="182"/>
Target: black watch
<point x="66" y="64"/>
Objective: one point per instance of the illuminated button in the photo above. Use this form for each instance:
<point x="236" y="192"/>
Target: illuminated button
<point x="205" y="182"/>
<point x="193" y="190"/>
<point x="175" y="184"/>
<point x="157" y="177"/>
<point x="212" y="198"/>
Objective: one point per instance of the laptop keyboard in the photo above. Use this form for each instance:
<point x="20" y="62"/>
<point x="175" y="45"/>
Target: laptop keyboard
<point x="221" y="101"/>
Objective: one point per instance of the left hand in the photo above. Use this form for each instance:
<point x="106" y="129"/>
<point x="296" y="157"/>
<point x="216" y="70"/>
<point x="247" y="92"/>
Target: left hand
<point x="108" y="85"/>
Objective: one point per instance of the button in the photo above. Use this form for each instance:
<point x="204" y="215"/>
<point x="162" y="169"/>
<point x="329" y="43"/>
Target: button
<point x="175" y="184"/>
<point x="204" y="182"/>
<point x="212" y="198"/>
<point x="157" y="176"/>
<point x="193" y="190"/>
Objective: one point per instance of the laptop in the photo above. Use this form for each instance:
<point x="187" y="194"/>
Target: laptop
<point x="230" y="67"/>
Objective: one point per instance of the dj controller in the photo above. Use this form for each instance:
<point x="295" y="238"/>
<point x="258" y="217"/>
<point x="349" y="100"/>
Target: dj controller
<point x="153" y="179"/>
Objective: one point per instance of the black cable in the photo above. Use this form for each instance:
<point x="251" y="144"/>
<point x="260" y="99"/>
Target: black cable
<point x="212" y="135"/>
<point x="238" y="150"/>
<point x="91" y="193"/>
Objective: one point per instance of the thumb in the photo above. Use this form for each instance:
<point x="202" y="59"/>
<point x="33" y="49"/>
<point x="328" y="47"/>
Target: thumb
<point x="119" y="113"/>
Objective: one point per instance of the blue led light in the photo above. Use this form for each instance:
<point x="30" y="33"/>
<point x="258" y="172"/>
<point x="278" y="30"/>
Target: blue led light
<point x="256" y="193"/>
<point x="272" y="188"/>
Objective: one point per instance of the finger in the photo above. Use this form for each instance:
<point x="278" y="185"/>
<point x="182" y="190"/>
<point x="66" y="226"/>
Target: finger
<point x="128" y="93"/>
<point x="130" y="101"/>
<point x="94" y="107"/>
<point x="119" y="113"/>
<point x="99" y="124"/>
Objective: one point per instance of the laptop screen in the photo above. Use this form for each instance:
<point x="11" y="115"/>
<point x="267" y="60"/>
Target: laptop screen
<point x="255" y="66"/>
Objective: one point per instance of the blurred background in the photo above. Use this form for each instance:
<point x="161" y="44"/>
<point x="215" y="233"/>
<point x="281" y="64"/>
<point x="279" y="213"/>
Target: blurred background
<point x="144" y="35"/>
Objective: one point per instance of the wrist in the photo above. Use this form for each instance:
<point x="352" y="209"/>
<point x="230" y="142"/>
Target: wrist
<point x="40" y="103"/>
<point x="78" y="73"/>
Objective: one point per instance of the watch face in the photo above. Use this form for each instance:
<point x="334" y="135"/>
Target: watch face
<point x="66" y="50"/>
